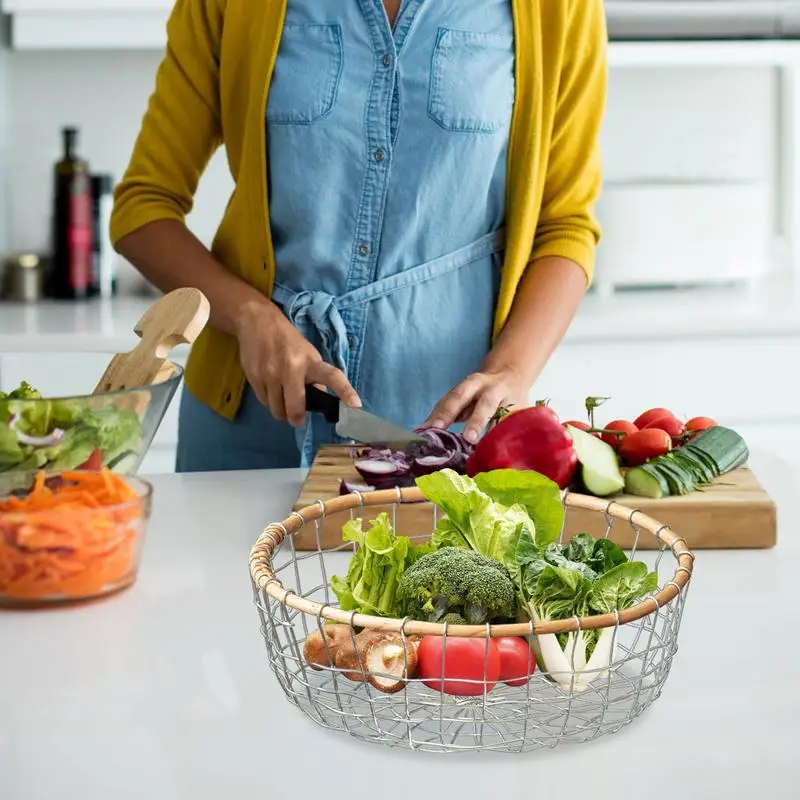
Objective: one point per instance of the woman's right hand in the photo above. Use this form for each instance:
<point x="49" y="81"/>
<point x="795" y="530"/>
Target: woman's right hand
<point x="279" y="363"/>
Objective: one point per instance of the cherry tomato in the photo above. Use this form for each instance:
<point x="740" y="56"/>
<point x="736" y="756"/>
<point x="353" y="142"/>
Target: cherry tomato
<point x="674" y="427"/>
<point x="517" y="661"/>
<point x="465" y="660"/>
<point x="645" y="444"/>
<point x="94" y="462"/>
<point x="697" y="424"/>
<point x="621" y="425"/>
<point x="583" y="426"/>
<point x="643" y="420"/>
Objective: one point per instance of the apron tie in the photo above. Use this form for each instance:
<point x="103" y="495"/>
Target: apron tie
<point x="316" y="313"/>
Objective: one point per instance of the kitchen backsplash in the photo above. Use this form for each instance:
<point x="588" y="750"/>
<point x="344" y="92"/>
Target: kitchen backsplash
<point x="662" y="125"/>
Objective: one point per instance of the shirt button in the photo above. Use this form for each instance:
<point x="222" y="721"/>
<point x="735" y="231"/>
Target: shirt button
<point x="379" y="155"/>
<point x="352" y="341"/>
<point x="387" y="60"/>
<point x="364" y="249"/>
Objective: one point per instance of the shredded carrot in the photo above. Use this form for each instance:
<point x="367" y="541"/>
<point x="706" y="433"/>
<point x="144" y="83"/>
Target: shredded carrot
<point x="74" y="540"/>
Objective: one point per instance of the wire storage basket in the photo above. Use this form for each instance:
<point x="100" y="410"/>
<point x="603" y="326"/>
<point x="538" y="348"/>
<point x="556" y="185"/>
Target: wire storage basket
<point x="358" y="674"/>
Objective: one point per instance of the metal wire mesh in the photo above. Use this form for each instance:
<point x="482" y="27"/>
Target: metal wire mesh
<point x="540" y="714"/>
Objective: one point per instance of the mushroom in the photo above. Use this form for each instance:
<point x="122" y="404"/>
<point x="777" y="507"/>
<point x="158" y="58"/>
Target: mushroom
<point x="315" y="651"/>
<point x="390" y="662"/>
<point x="353" y="661"/>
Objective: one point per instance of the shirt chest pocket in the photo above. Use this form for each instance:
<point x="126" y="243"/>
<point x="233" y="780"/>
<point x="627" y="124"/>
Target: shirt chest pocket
<point x="306" y="77"/>
<point x="472" y="81"/>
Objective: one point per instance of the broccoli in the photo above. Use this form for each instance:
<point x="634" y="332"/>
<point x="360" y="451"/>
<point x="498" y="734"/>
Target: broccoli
<point x="458" y="584"/>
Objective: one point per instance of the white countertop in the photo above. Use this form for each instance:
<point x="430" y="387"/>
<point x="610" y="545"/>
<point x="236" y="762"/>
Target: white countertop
<point x="164" y="693"/>
<point x="773" y="309"/>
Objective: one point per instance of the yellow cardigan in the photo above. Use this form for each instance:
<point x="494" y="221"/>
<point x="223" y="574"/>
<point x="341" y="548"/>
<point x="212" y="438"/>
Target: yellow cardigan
<point x="211" y="90"/>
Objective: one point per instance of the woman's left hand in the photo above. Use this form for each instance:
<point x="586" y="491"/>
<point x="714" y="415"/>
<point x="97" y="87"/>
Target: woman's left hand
<point x="477" y="398"/>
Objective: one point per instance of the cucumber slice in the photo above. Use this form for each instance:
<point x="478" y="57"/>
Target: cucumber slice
<point x="703" y="458"/>
<point x="679" y="480"/>
<point x="645" y="481"/>
<point x="600" y="471"/>
<point x="703" y="464"/>
<point x="699" y="472"/>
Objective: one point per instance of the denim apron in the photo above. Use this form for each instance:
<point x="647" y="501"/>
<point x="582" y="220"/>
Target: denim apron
<point x="387" y="153"/>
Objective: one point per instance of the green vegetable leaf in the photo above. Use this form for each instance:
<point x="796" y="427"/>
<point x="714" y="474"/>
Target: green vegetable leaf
<point x="446" y="534"/>
<point x="375" y="569"/>
<point x="598" y="555"/>
<point x="487" y="526"/>
<point x="621" y="587"/>
<point x="606" y="556"/>
<point x="540" y="497"/>
<point x="12" y="452"/>
<point x="580" y="548"/>
<point x="560" y="593"/>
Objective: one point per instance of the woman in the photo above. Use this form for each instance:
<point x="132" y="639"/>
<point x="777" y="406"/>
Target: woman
<point x="412" y="224"/>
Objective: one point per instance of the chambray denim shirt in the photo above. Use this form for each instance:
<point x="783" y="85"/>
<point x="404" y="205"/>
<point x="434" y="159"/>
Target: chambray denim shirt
<point x="387" y="160"/>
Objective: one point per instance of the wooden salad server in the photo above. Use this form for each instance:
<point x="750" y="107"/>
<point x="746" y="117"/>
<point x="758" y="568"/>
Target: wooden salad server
<point x="176" y="318"/>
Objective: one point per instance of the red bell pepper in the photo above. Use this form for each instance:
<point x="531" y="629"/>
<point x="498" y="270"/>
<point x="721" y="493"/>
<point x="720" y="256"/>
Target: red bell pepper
<point x="530" y="439"/>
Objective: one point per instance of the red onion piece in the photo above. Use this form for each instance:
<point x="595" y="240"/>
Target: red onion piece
<point x="51" y="439"/>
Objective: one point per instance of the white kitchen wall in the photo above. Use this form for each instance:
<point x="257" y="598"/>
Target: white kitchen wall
<point x="664" y="124"/>
<point x="105" y="95"/>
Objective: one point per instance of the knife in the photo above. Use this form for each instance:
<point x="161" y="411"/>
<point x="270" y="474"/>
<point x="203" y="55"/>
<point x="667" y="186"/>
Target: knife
<point x="357" y="424"/>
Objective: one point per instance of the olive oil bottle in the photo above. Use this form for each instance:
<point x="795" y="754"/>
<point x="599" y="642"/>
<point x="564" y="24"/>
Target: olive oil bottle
<point x="70" y="275"/>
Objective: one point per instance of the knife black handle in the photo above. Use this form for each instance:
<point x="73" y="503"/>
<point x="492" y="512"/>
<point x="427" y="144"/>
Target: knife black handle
<point x="320" y="402"/>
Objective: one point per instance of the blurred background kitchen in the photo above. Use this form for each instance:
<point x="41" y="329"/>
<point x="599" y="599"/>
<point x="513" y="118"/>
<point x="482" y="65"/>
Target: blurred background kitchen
<point x="695" y="305"/>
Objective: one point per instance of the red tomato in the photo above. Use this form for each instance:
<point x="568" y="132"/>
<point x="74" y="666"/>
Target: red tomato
<point x="584" y="426"/>
<point x="674" y="427"/>
<point x="621" y="425"/>
<point x="697" y="424"/>
<point x="517" y="661"/>
<point x="465" y="660"/>
<point x="94" y="462"/>
<point x="643" y="420"/>
<point x="645" y="444"/>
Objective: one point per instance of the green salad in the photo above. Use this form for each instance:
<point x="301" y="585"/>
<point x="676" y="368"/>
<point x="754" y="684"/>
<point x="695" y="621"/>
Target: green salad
<point x="57" y="435"/>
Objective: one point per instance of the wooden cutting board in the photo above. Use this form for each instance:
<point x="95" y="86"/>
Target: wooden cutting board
<point x="733" y="512"/>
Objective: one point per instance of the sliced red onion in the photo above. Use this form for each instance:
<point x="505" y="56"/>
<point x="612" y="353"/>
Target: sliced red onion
<point x="428" y="464"/>
<point x="382" y="468"/>
<point x="372" y="466"/>
<point x="40" y="441"/>
<point x="354" y="488"/>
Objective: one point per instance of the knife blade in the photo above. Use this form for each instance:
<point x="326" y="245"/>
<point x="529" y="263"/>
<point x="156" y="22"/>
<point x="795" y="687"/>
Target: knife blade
<point x="357" y="424"/>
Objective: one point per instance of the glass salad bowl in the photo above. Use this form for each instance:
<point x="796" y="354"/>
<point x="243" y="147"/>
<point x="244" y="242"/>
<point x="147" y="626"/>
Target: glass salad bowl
<point x="40" y="433"/>
<point x="71" y="538"/>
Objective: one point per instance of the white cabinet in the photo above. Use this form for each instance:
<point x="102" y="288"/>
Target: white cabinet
<point x="88" y="24"/>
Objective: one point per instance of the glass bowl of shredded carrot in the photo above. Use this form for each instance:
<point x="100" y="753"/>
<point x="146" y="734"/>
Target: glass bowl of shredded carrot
<point x="77" y="536"/>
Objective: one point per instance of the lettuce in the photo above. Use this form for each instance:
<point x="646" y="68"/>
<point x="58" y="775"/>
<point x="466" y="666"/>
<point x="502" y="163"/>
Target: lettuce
<point x="375" y="569"/>
<point x="507" y="515"/>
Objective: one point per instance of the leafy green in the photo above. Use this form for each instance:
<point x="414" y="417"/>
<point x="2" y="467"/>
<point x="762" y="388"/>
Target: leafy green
<point x="600" y="555"/>
<point x="374" y="570"/>
<point x="11" y="451"/>
<point x="539" y="496"/>
<point x="621" y="587"/>
<point x="446" y="534"/>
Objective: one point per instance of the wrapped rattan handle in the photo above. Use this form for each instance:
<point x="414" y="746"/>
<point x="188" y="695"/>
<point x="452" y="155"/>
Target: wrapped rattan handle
<point x="265" y="580"/>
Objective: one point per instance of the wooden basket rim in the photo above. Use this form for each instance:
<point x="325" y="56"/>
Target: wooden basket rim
<point x="273" y="535"/>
